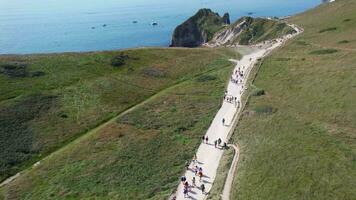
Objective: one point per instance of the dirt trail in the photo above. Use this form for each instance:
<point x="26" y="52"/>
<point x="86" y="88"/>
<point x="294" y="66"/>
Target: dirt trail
<point x="208" y="156"/>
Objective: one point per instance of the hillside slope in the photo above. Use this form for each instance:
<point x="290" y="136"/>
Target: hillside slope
<point x="248" y="30"/>
<point x="298" y="140"/>
<point x="141" y="153"/>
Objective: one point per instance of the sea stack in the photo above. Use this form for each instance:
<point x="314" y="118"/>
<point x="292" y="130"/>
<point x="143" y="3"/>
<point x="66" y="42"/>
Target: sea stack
<point x="226" y="18"/>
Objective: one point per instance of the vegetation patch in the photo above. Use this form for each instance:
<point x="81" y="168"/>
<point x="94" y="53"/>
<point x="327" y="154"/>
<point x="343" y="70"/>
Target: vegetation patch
<point x="16" y="136"/>
<point x="323" y="51"/>
<point x="258" y="92"/>
<point x="14" y="69"/>
<point x="154" y="72"/>
<point x="306" y="150"/>
<point x="140" y="155"/>
<point x="205" y="78"/>
<point x="328" y="29"/>
<point x="264" y="109"/>
<point x="343" y="42"/>
<point x="120" y="60"/>
<point x="301" y="43"/>
<point x="90" y="92"/>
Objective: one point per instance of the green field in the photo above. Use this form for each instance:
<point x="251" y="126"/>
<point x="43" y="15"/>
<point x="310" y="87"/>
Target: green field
<point x="139" y="154"/>
<point x="47" y="101"/>
<point x="297" y="140"/>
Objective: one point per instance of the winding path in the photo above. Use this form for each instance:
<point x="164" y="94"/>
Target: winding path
<point x="208" y="156"/>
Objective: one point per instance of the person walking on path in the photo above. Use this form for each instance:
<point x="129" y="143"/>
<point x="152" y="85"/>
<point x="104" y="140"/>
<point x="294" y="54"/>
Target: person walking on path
<point x="200" y="174"/>
<point x="185" y="192"/>
<point x="215" y="143"/>
<point x="193" y="181"/>
<point x="202" y="187"/>
<point x="187" y="164"/>
<point x="223" y="121"/>
<point x="219" y="141"/>
<point x="183" y="179"/>
<point x="207" y="139"/>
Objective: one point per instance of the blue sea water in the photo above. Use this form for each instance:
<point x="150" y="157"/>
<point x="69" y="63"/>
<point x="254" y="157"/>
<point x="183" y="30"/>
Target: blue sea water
<point x="46" y="26"/>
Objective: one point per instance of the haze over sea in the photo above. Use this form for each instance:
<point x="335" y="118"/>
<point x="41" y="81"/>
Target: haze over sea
<point x="46" y="26"/>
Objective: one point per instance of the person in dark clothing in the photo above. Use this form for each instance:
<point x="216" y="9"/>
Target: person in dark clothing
<point x="202" y="187"/>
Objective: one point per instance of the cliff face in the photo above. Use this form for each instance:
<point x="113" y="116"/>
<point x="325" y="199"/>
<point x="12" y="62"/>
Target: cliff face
<point x="248" y="30"/>
<point x="198" y="29"/>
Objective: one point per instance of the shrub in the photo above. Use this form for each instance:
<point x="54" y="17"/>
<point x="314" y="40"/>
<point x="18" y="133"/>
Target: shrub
<point x="206" y="78"/>
<point x="258" y="92"/>
<point x="37" y="74"/>
<point x="264" y="109"/>
<point x="15" y="69"/>
<point x="343" y="41"/>
<point x="328" y="29"/>
<point x="119" y="60"/>
<point x="323" y="51"/>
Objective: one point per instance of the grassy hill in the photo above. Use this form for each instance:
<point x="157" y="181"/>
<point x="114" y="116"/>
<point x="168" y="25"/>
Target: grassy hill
<point x="139" y="153"/>
<point x="47" y="101"/>
<point x="298" y="140"/>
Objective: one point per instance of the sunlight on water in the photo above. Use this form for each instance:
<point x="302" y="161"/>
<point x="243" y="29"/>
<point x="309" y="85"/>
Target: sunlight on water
<point x="41" y="26"/>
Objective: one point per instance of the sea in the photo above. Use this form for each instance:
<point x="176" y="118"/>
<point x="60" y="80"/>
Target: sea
<point x="49" y="26"/>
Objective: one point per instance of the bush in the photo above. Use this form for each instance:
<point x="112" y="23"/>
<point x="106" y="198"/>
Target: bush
<point x="15" y="69"/>
<point x="17" y="139"/>
<point x="264" y="109"/>
<point x="323" y="51"/>
<point x="328" y="29"/>
<point x="258" y="92"/>
<point x="119" y="60"/>
<point x="206" y="78"/>
<point x="343" y="41"/>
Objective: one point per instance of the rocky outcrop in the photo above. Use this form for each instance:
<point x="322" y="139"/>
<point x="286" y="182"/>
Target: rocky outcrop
<point x="198" y="29"/>
<point x="226" y="18"/>
<point x="248" y="30"/>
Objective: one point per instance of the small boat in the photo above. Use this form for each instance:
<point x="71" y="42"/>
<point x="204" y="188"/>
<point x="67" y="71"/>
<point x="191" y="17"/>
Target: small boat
<point x="154" y="23"/>
<point x="104" y="25"/>
<point x="135" y="22"/>
<point x="250" y="13"/>
<point x="92" y="27"/>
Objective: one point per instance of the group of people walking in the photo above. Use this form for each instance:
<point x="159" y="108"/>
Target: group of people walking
<point x="198" y="172"/>
<point x="236" y="78"/>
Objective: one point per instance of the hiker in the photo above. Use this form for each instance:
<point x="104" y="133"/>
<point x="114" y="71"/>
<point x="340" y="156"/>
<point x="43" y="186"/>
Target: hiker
<point x="186" y="184"/>
<point x="203" y="138"/>
<point x="206" y="139"/>
<point x="215" y="142"/>
<point x="187" y="164"/>
<point x="200" y="174"/>
<point x="183" y="178"/>
<point x="219" y="141"/>
<point x="223" y="121"/>
<point x="196" y="169"/>
<point x="202" y="187"/>
<point x="185" y="192"/>
<point x="193" y="181"/>
<point x="225" y="145"/>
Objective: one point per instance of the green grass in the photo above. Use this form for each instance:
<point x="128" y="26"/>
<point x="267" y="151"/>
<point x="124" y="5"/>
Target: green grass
<point x="141" y="154"/>
<point x="306" y="148"/>
<point x="78" y="91"/>
<point x="221" y="174"/>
